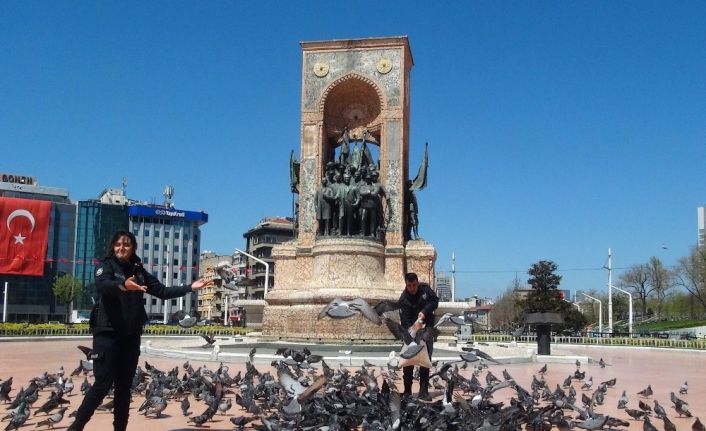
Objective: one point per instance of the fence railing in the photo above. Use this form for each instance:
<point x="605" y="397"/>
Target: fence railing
<point x="149" y="330"/>
<point x="697" y="344"/>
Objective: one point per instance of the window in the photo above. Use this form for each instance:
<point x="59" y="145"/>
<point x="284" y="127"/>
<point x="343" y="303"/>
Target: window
<point x="176" y="235"/>
<point x="147" y="232"/>
<point x="146" y="247"/>
<point x="166" y="234"/>
<point x="156" y="234"/>
<point x="156" y="247"/>
<point x="154" y="301"/>
<point x="176" y="249"/>
<point x="175" y="262"/>
<point x="176" y="276"/>
<point x="196" y="237"/>
<point x="146" y="260"/>
<point x="174" y="302"/>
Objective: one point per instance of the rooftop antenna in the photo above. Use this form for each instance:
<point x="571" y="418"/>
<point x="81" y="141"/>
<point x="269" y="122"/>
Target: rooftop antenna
<point x="168" y="194"/>
<point x="124" y="185"/>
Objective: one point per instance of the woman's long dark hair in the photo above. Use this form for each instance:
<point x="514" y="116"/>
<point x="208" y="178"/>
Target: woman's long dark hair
<point x="114" y="239"/>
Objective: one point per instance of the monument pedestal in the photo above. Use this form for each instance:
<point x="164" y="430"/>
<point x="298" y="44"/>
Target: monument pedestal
<point x="344" y="267"/>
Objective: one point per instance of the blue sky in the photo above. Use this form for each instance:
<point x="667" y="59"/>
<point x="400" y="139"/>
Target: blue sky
<point x="556" y="129"/>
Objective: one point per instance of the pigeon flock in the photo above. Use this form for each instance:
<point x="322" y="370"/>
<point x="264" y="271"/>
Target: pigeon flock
<point x="301" y="391"/>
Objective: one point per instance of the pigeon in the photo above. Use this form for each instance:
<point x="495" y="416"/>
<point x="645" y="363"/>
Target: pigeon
<point x="623" y="400"/>
<point x="682" y="409"/>
<point x="647" y="425"/>
<point x="185" y="405"/>
<point x="341" y="309"/>
<point x="209" y="338"/>
<point x="668" y="425"/>
<point x="684" y="388"/>
<point x="644" y="407"/>
<point x="634" y="413"/>
<point x="543" y="370"/>
<point x="659" y="410"/>
<point x="184" y="320"/>
<point x="647" y="392"/>
<point x="53" y="419"/>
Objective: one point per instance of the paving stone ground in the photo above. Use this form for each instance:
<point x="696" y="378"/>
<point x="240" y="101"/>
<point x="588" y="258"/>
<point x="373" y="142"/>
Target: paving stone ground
<point x="634" y="369"/>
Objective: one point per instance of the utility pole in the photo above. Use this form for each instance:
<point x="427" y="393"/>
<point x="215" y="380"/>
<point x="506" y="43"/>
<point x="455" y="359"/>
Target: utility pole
<point x="610" y="291"/>
<point x="453" y="276"/>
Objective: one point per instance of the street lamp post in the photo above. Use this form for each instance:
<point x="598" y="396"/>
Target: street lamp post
<point x="629" y="308"/>
<point x="600" y="312"/>
<point x="267" y="269"/>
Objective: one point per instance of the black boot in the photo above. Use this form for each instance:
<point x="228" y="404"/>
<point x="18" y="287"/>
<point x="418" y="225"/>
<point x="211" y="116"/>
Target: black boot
<point x="424" y="384"/>
<point x="407" y="378"/>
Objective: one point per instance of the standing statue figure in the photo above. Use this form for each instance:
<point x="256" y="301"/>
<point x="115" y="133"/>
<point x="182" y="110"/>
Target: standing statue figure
<point x="324" y="196"/>
<point x="411" y="212"/>
<point x="370" y="206"/>
<point x="349" y="200"/>
<point x="343" y="156"/>
<point x="411" y="208"/>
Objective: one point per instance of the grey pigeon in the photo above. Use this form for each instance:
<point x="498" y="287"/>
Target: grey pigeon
<point x="53" y="419"/>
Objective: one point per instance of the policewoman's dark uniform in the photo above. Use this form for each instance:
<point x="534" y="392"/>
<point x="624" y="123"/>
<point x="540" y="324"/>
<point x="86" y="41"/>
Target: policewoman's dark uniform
<point x="116" y="323"/>
<point x="410" y="305"/>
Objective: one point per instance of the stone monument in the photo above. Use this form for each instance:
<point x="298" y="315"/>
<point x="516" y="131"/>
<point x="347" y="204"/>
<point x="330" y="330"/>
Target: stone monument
<point x="353" y="188"/>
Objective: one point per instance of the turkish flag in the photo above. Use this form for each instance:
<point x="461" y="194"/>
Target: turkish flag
<point x="24" y="229"/>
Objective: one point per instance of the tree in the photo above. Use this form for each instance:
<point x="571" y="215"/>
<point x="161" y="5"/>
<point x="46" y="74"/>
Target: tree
<point x="661" y="281"/>
<point x="506" y="312"/>
<point x="545" y="295"/>
<point x="67" y="289"/>
<point x="691" y="274"/>
<point x="636" y="278"/>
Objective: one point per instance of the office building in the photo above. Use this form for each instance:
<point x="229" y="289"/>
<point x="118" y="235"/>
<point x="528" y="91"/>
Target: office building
<point x="30" y="298"/>
<point x="701" y="225"/>
<point x="168" y="240"/>
<point x="443" y="286"/>
<point x="259" y="241"/>
<point x="97" y="221"/>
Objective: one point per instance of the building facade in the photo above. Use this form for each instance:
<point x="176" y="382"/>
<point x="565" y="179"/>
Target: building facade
<point x="701" y="226"/>
<point x="168" y="241"/>
<point x="96" y="222"/>
<point x="443" y="286"/>
<point x="30" y="298"/>
<point x="259" y="241"/>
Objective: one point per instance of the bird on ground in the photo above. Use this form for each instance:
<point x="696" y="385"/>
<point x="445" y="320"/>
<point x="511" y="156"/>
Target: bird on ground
<point x="53" y="419"/>
<point x="601" y="363"/>
<point x="682" y="409"/>
<point x="668" y="425"/>
<point x="241" y="421"/>
<point x="635" y="414"/>
<point x="341" y="309"/>
<point x="543" y="370"/>
<point x="647" y="392"/>
<point x="684" y="388"/>
<point x="644" y="407"/>
<point x="623" y="400"/>
<point x="647" y="425"/>
<point x="659" y="410"/>
<point x="587" y="384"/>
<point x="185" y="405"/>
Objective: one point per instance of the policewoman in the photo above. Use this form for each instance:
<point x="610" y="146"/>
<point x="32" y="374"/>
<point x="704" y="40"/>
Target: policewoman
<point x="116" y="323"/>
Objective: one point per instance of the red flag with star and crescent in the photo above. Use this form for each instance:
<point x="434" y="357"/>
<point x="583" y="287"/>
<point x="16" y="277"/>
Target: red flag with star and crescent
<point x="24" y="229"/>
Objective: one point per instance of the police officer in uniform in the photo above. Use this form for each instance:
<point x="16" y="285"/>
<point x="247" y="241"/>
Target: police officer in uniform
<point x="116" y="323"/>
<point x="417" y="304"/>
